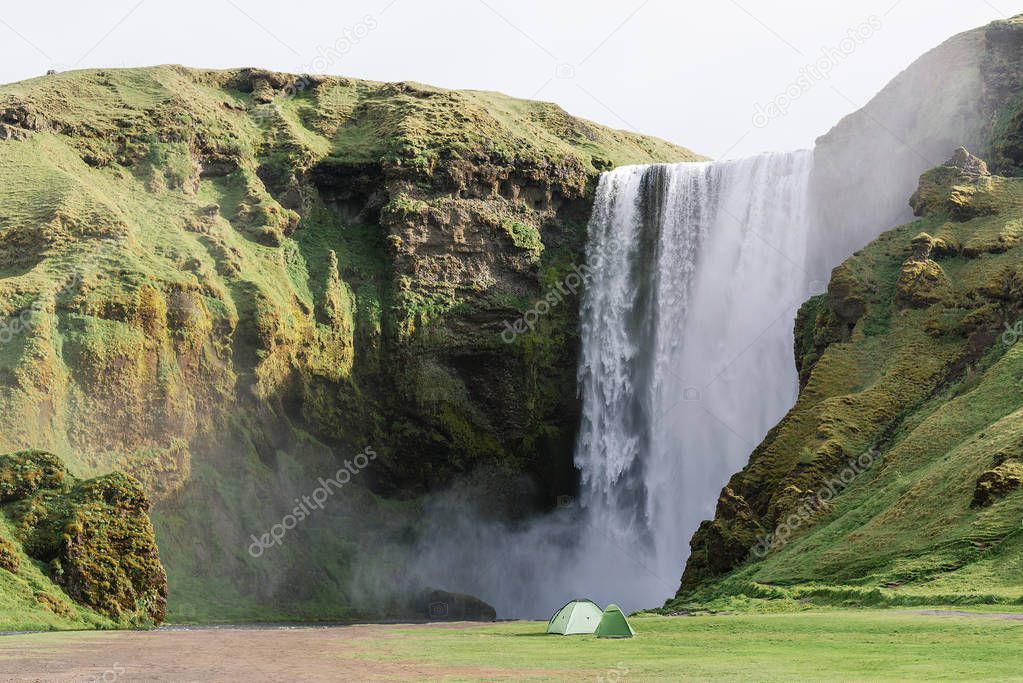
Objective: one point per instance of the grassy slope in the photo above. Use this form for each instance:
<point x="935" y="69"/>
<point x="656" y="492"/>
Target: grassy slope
<point x="417" y="123"/>
<point x="169" y="336"/>
<point x="937" y="390"/>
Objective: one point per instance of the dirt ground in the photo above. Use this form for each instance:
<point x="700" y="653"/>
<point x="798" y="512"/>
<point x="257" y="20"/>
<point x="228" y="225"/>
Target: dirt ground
<point x="307" y="653"/>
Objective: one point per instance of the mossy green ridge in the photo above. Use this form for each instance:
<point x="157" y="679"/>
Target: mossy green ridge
<point x="895" y="479"/>
<point x="221" y="282"/>
<point x="73" y="553"/>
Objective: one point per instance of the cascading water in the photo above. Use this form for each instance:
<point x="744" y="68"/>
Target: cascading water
<point x="687" y="356"/>
<point x="697" y="271"/>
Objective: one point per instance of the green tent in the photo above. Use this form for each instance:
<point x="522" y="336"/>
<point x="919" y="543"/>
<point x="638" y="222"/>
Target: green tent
<point x="578" y="616"/>
<point x="613" y="624"/>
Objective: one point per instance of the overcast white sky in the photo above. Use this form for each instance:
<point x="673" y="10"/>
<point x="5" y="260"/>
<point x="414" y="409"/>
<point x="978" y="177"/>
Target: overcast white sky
<point x="692" y="72"/>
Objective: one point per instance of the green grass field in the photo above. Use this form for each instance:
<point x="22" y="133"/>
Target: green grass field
<point x="818" y="645"/>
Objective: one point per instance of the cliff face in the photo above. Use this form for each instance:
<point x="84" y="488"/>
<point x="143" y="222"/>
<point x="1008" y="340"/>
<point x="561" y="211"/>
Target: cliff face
<point x="224" y="282"/>
<point x="964" y="92"/>
<point x="895" y="478"/>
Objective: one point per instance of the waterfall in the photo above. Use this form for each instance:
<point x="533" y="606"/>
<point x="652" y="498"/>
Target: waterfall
<point x="687" y="351"/>
<point x="695" y="273"/>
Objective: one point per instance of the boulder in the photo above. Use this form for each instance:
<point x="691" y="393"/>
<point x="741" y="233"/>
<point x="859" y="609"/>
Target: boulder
<point x="921" y="283"/>
<point x="9" y="557"/>
<point x="25" y="472"/>
<point x="959" y="187"/>
<point x="969" y="165"/>
<point x="95" y="535"/>
<point x="997" y="482"/>
<point x="440" y="605"/>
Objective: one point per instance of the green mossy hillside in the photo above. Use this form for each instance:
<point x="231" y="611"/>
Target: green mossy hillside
<point x="220" y="282"/>
<point x="895" y="479"/>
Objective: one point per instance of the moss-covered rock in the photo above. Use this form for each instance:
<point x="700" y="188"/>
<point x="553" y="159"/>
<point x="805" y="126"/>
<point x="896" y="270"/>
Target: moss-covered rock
<point x="961" y="188"/>
<point x="95" y="535"/>
<point x="998" y="483"/>
<point x="813" y="332"/>
<point x="921" y="283"/>
<point x="55" y="604"/>
<point x="108" y="558"/>
<point x="25" y="472"/>
<point x="9" y="557"/>
<point x="1004" y="477"/>
<point x="439" y="605"/>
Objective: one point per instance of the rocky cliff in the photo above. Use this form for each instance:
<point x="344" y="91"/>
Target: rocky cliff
<point x="892" y="478"/>
<point x="285" y="308"/>
<point x="227" y="283"/>
<point x="965" y="92"/>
